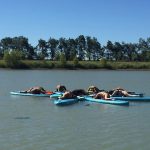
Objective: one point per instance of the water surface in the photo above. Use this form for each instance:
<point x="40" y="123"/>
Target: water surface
<point x="31" y="123"/>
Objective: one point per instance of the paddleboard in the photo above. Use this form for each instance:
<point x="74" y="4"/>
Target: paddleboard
<point x="63" y="102"/>
<point x="19" y="93"/>
<point x="113" y="101"/>
<point x="56" y="95"/>
<point x="139" y="99"/>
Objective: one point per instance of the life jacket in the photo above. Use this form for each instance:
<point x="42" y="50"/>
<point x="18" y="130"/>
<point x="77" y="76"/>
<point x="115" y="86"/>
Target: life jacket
<point x="49" y="92"/>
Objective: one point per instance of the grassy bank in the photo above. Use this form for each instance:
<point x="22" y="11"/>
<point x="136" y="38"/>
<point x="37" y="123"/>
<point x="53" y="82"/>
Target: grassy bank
<point x="38" y="64"/>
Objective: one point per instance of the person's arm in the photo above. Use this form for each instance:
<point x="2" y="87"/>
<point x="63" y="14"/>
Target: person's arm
<point x="107" y="96"/>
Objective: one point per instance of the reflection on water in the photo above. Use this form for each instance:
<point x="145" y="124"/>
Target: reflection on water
<point x="22" y="118"/>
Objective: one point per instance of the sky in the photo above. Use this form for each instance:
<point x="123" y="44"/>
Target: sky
<point x="114" y="20"/>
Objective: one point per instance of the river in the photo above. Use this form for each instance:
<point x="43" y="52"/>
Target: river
<point x="34" y="123"/>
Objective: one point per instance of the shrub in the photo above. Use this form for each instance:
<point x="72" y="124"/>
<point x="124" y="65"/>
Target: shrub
<point x="63" y="61"/>
<point x="13" y="59"/>
<point x="76" y="62"/>
<point x="103" y="62"/>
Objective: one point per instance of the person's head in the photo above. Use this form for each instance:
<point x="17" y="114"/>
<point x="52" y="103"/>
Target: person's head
<point x="60" y="88"/>
<point x="92" y="89"/>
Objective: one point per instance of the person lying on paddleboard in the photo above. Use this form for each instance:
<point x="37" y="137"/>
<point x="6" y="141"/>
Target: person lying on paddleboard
<point x="37" y="90"/>
<point x="73" y="94"/>
<point x="102" y="95"/>
<point x="119" y="92"/>
<point x="68" y="95"/>
<point x="92" y="90"/>
<point x="76" y="92"/>
<point x="106" y="96"/>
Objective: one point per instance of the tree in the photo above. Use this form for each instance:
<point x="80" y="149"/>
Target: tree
<point x="89" y="48"/>
<point x="52" y="45"/>
<point x="130" y="52"/>
<point x="13" y="59"/>
<point x="94" y="50"/>
<point x="1" y="51"/>
<point x="20" y="43"/>
<point x="72" y="49"/>
<point x="30" y="54"/>
<point x="109" y="48"/>
<point x="81" y="47"/>
<point x="63" y="61"/>
<point x="144" y="48"/>
<point x="117" y="51"/>
<point x="63" y="47"/>
<point x="6" y="43"/>
<point x="42" y="49"/>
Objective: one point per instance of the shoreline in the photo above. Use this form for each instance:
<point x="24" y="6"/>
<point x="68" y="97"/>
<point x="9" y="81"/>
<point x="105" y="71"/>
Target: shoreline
<point x="81" y="65"/>
<point x="78" y="69"/>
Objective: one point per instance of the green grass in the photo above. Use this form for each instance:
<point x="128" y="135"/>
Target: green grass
<point x="2" y="64"/>
<point x="40" y="64"/>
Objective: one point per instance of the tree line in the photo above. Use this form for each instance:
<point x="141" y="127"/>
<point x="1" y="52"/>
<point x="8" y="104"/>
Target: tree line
<point x="82" y="48"/>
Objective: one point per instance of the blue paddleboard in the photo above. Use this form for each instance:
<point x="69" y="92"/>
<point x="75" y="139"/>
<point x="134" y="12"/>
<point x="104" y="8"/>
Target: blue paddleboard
<point x="63" y="102"/>
<point x="19" y="93"/>
<point x="113" y="102"/>
<point x="139" y="99"/>
<point x="56" y="95"/>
